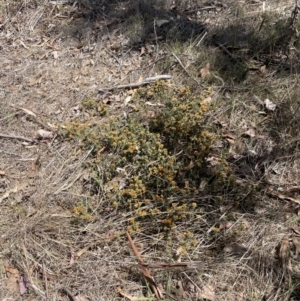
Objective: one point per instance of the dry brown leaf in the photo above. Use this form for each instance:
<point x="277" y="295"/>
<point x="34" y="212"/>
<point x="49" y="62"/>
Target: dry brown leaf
<point x="43" y="55"/>
<point x="132" y="92"/>
<point x="235" y="249"/>
<point x="84" y="71"/>
<point x="208" y="293"/>
<point x="161" y="22"/>
<point x="205" y="71"/>
<point x="293" y="189"/>
<point x="213" y="161"/>
<point x="133" y="107"/>
<point x="263" y="69"/>
<point x="230" y="138"/>
<point x="207" y="100"/>
<point x="189" y="167"/>
<point x="143" y="51"/>
<point x="228" y="135"/>
<point x="132" y="298"/>
<point x="264" y="119"/>
<point x="106" y="101"/>
<point x="178" y="254"/>
<point x="181" y="294"/>
<point x="225" y="225"/>
<point x="28" y="112"/>
<point x="191" y="287"/>
<point x="116" y="46"/>
<point x="55" y="54"/>
<point x="271" y="106"/>
<point x="203" y="184"/>
<point x="23" y="285"/>
<point x="72" y="259"/>
<point x="296" y="243"/>
<point x="221" y="124"/>
<point x="149" y="103"/>
<point x="52" y="126"/>
<point x="249" y="133"/>
<point x="45" y="134"/>
<point x="127" y="100"/>
<point x="86" y="248"/>
<point x="13" y="276"/>
<point x="295" y="230"/>
<point x="80" y="298"/>
<point x="124" y="294"/>
<point x="285" y="254"/>
<point x="35" y="80"/>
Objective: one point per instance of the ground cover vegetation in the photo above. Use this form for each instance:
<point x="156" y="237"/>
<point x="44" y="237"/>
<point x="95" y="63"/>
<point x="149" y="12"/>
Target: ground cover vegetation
<point x="116" y="187"/>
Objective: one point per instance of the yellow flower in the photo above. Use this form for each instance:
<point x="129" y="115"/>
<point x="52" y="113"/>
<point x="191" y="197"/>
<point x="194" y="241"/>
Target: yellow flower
<point x="142" y="213"/>
<point x="167" y="221"/>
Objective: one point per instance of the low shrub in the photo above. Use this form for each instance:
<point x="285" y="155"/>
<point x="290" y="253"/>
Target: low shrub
<point x="151" y="167"/>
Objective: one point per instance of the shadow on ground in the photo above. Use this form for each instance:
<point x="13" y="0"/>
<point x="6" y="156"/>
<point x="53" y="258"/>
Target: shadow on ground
<point x="140" y="21"/>
<point x="240" y="47"/>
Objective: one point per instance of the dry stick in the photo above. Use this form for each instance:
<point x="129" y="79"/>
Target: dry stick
<point x="16" y="137"/>
<point x="282" y="196"/>
<point x="160" y="265"/>
<point x="147" y="81"/>
<point x="46" y="281"/>
<point x="180" y="63"/>
<point x="200" y="9"/>
<point x="144" y="270"/>
<point x="201" y="39"/>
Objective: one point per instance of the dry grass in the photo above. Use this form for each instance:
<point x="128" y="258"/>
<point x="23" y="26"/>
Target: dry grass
<point x="54" y="56"/>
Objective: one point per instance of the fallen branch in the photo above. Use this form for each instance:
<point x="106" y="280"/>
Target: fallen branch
<point x="144" y="270"/>
<point x="146" y="81"/>
<point x="16" y="137"/>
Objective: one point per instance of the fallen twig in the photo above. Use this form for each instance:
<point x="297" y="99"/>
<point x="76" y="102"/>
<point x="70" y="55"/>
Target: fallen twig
<point x="46" y="281"/>
<point x="16" y="137"/>
<point x="143" y="269"/>
<point x="283" y="196"/>
<point x="146" y="81"/>
<point x="161" y="265"/>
